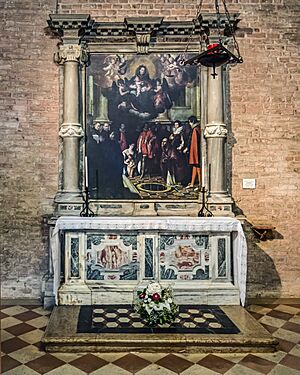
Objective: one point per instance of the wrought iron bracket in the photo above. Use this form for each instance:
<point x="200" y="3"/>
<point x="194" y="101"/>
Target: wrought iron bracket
<point x="204" y="210"/>
<point x="86" y="211"/>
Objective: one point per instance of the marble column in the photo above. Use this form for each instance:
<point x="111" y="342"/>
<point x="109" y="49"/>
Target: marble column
<point x="70" y="130"/>
<point x="91" y="95"/>
<point x="103" y="106"/>
<point x="215" y="133"/>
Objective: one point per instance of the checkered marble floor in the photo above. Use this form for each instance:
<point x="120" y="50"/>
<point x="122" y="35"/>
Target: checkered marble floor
<point x="23" y="326"/>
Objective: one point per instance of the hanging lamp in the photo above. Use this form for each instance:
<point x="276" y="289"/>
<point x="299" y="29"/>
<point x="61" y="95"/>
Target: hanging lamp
<point x="216" y="54"/>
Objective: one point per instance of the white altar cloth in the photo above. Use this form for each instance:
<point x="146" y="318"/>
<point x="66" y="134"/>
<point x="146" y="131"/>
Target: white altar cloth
<point x="182" y="224"/>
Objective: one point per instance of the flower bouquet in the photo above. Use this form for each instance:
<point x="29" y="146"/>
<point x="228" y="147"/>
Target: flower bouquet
<point x="156" y="304"/>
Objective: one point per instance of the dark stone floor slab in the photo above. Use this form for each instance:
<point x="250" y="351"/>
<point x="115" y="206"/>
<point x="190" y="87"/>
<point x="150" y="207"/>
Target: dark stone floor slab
<point x="61" y="335"/>
<point x="123" y="319"/>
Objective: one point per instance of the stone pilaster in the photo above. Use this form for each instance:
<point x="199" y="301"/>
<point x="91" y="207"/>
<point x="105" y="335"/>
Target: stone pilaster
<point x="70" y="130"/>
<point x="72" y="53"/>
<point x="215" y="132"/>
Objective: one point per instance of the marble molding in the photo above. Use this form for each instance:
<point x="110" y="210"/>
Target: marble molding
<point x="145" y="208"/>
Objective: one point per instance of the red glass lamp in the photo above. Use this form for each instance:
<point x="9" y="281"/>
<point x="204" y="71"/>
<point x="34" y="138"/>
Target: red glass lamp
<point x="216" y="55"/>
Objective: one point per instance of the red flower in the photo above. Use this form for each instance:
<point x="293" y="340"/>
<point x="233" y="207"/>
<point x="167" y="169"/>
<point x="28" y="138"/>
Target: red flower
<point x="142" y="296"/>
<point x="155" y="297"/>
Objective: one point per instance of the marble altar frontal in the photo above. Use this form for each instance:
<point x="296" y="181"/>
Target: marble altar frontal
<point x="106" y="259"/>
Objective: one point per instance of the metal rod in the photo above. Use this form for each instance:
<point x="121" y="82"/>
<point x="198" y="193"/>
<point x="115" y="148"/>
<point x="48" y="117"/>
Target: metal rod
<point x="86" y="211"/>
<point x="209" y="179"/>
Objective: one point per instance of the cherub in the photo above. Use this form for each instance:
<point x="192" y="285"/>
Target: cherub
<point x="115" y="66"/>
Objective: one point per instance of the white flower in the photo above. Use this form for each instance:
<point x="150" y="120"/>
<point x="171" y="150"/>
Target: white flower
<point x="167" y="305"/>
<point x="159" y="307"/>
<point x="160" y="310"/>
<point x="148" y="309"/>
<point x="153" y="288"/>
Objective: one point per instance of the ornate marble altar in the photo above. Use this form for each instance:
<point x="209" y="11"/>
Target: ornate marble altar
<point x="137" y="235"/>
<point x="103" y="259"/>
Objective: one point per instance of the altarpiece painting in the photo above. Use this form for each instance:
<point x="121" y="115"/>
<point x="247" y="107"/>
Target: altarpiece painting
<point x="138" y="133"/>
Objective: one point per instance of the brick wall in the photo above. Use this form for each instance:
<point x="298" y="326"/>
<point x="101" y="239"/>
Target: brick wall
<point x="29" y="143"/>
<point x="265" y="122"/>
<point x="264" y="102"/>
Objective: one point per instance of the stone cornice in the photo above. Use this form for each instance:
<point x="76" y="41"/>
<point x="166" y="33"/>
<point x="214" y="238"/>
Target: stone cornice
<point x="210" y="21"/>
<point x="153" y="25"/>
<point x="143" y="28"/>
<point x="143" y="24"/>
<point x="71" y="27"/>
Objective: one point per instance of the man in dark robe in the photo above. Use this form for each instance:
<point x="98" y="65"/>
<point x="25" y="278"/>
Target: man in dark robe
<point x="114" y="168"/>
<point x="94" y="155"/>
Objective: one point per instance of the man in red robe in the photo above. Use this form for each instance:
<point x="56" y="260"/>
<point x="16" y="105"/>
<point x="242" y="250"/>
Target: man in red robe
<point x="145" y="149"/>
<point x="195" y="152"/>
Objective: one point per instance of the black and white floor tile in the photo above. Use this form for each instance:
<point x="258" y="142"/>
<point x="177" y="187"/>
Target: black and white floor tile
<point x="208" y="319"/>
<point x="23" y="326"/>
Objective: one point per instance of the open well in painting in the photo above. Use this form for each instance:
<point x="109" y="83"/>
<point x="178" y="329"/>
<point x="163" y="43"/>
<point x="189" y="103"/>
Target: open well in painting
<point x="139" y="138"/>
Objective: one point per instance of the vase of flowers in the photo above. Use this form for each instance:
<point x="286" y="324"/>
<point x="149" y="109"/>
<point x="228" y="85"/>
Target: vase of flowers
<point x="156" y="305"/>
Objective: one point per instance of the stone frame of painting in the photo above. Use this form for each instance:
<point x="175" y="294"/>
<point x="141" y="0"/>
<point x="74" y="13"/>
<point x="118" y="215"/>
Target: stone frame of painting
<point x="83" y="41"/>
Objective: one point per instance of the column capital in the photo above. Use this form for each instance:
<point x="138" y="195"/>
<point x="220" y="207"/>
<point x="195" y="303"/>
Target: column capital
<point x="72" y="52"/>
<point x="71" y="130"/>
<point x="67" y="52"/>
<point x="215" y="131"/>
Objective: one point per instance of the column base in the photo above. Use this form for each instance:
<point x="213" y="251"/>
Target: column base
<point x="75" y="294"/>
<point x="68" y="203"/>
<point x="220" y="204"/>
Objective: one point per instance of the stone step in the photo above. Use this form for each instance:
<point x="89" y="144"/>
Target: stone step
<point x="61" y="336"/>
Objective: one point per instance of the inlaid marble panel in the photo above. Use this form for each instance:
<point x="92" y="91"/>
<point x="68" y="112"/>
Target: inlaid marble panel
<point x="112" y="256"/>
<point x="149" y="260"/>
<point x="74" y="257"/>
<point x="184" y="257"/>
<point x="221" y="257"/>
